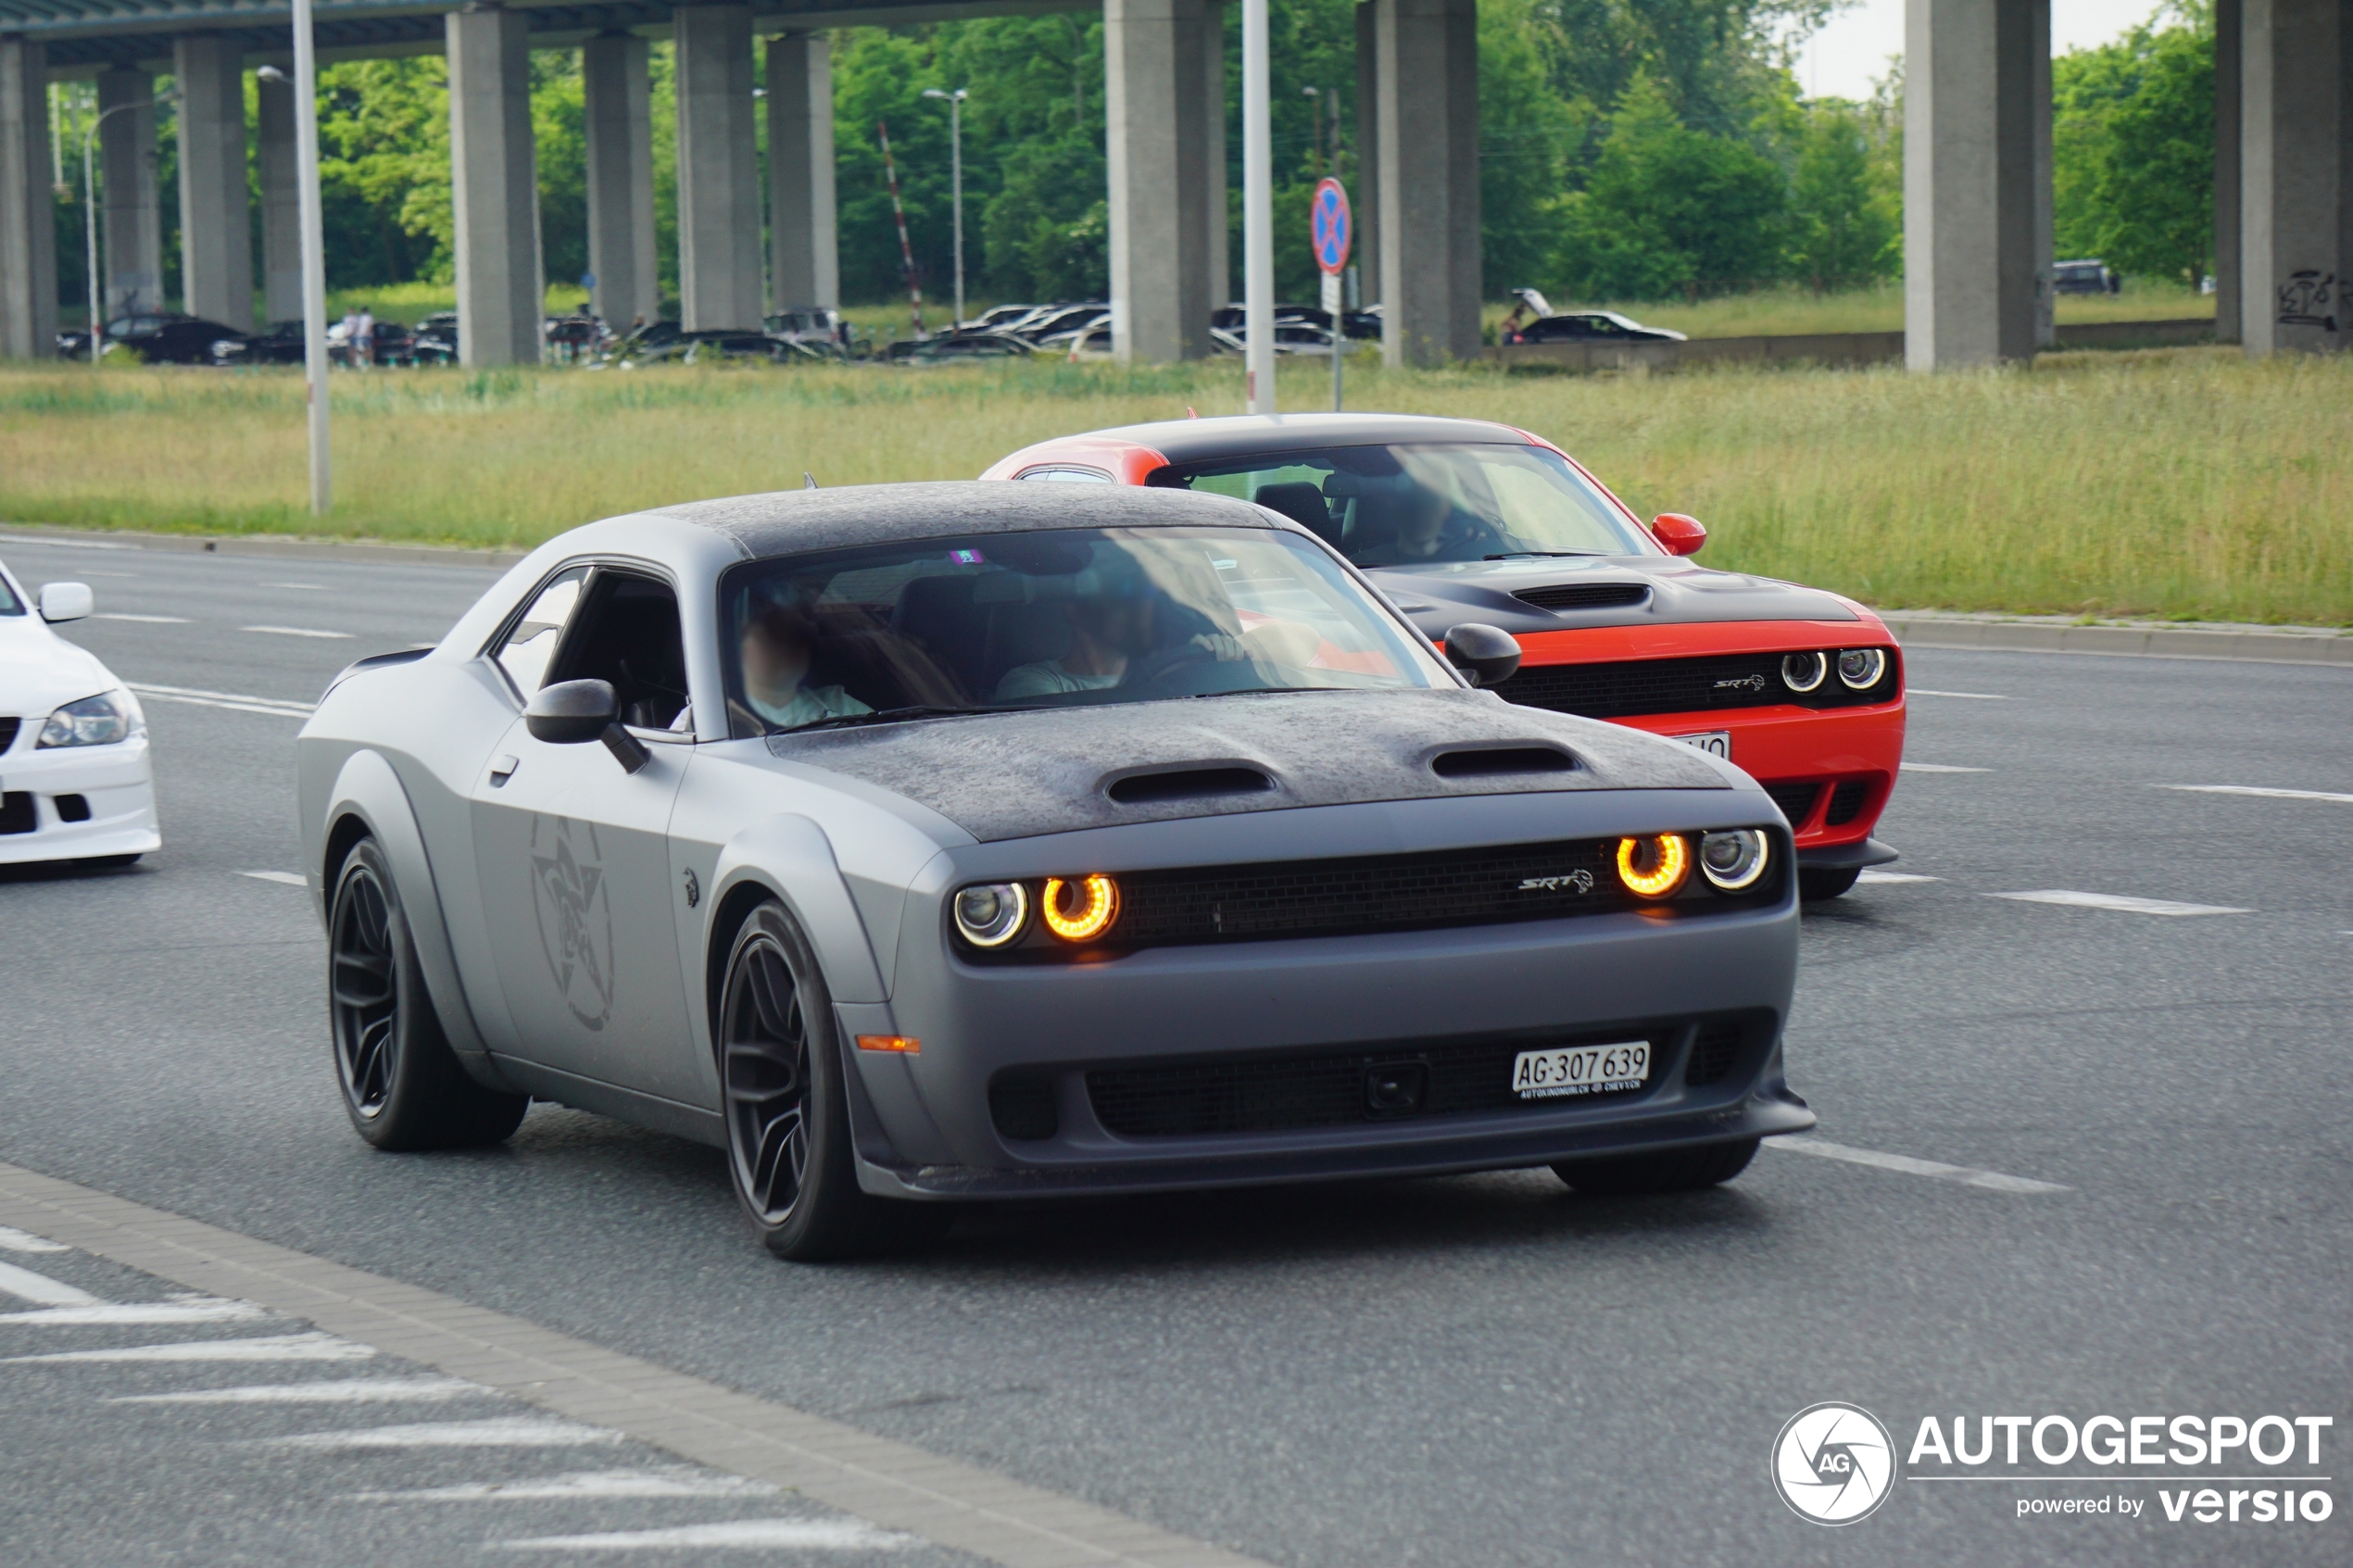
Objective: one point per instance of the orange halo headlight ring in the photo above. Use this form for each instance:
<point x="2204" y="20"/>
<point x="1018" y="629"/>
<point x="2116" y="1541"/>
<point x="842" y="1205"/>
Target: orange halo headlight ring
<point x="1079" y="909"/>
<point x="1653" y="865"/>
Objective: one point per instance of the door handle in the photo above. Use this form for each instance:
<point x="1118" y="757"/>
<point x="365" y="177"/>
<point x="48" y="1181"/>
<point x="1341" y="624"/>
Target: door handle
<point x="501" y="771"/>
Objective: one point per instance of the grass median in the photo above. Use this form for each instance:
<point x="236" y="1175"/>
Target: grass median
<point x="2187" y="484"/>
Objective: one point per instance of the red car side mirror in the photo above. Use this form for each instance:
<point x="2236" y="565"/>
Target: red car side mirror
<point x="1682" y="535"/>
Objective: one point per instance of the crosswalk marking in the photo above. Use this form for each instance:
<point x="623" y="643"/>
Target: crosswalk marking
<point x="354" y="1391"/>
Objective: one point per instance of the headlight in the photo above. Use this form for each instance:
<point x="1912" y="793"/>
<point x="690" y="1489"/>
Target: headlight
<point x="1803" y="672"/>
<point x="1655" y="866"/>
<point x="1861" y="667"/>
<point x="1081" y="911"/>
<point x="992" y="914"/>
<point x="227" y="347"/>
<point x="95" y="720"/>
<point x="1734" y="860"/>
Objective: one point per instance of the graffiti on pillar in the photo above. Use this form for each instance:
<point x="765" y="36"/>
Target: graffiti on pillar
<point x="2307" y="297"/>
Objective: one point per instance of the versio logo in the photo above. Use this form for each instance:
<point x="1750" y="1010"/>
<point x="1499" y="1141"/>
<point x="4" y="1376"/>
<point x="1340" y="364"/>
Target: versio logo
<point x="1834" y="1463"/>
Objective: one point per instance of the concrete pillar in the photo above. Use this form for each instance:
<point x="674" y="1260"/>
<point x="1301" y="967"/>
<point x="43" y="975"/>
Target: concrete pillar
<point x="2038" y="59"/>
<point x="1157" y="153"/>
<point x="2295" y="211"/>
<point x="131" y="223"/>
<point x="805" y="259"/>
<point x="281" y="204"/>
<point x="1216" y="207"/>
<point x="1364" y="195"/>
<point x="494" y="187"/>
<point x="216" y="221"/>
<point x="2230" y="25"/>
<point x="1428" y="57"/>
<point x="719" y="283"/>
<point x="617" y="95"/>
<point x="27" y="223"/>
<point x="1969" y="181"/>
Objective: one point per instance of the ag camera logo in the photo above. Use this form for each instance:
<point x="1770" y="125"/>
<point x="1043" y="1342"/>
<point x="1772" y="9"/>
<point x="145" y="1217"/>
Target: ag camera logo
<point x="1834" y="1463"/>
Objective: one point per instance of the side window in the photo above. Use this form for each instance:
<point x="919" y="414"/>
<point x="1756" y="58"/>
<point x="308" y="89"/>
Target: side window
<point x="526" y="651"/>
<point x="626" y="631"/>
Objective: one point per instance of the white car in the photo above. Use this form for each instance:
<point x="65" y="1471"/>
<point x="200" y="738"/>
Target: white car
<point x="75" y="783"/>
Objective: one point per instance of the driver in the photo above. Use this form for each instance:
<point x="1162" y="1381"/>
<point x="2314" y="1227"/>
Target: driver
<point x="1428" y="527"/>
<point x="775" y="650"/>
<point x="1114" y="629"/>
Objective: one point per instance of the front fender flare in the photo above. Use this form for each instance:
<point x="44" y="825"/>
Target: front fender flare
<point x="791" y="857"/>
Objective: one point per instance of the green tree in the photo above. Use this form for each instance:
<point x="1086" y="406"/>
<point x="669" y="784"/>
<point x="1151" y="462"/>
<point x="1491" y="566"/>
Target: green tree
<point x="2132" y="148"/>
<point x="1845" y="222"/>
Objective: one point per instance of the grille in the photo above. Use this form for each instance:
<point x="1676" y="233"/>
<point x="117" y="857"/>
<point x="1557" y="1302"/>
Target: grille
<point x="1846" y="802"/>
<point x="1796" y="800"/>
<point x="1264" y="1095"/>
<point x="1680" y="685"/>
<point x="1714" y="1051"/>
<point x="1584" y="596"/>
<point x="1022" y="1105"/>
<point x="8" y="733"/>
<point x="16" y="811"/>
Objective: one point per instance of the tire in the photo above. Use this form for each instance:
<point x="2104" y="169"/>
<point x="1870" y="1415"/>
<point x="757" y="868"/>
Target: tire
<point x="106" y="862"/>
<point x="786" y="1104"/>
<point x="1814" y="884"/>
<point x="1674" y="1170"/>
<point x="402" y="1086"/>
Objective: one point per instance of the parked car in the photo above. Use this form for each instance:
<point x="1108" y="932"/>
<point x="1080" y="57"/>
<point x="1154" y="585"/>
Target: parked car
<point x="922" y="844"/>
<point x="815" y="326"/>
<point x="75" y="780"/>
<point x="2085" y="277"/>
<point x="279" y="343"/>
<point x="161" y="339"/>
<point x="570" y="339"/>
<point x="942" y="348"/>
<point x="434" y="340"/>
<point x="1591" y="326"/>
<point x="1364" y="323"/>
<point x="1460" y="519"/>
<point x="1291" y="337"/>
<point x="1054" y="322"/>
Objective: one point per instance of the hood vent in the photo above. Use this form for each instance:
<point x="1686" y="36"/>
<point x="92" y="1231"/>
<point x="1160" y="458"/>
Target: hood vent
<point x="1584" y="596"/>
<point x="1187" y="784"/>
<point x="1500" y="762"/>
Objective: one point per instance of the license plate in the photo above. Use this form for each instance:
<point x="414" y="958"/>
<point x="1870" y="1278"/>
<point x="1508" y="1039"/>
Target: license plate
<point x="1581" y="1070"/>
<point x="1716" y="743"/>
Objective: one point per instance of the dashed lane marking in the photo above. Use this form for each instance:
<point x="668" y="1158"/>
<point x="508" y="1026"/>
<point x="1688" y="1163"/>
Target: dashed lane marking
<point x="291" y="879"/>
<point x="2120" y="901"/>
<point x="14" y="1240"/>
<point x="306" y="587"/>
<point x="1872" y="874"/>
<point x="262" y="1347"/>
<point x="40" y="1290"/>
<point x="2266" y="794"/>
<point x="844" y="1534"/>
<point x="497" y="1432"/>
<point x="1994" y="1181"/>
<point x="349" y="1391"/>
<point x="1974" y="696"/>
<point x="146" y="620"/>
<point x="297" y="632"/>
<point x="235" y="701"/>
<point x="678" y="1482"/>
<point x="1939" y="767"/>
<point x="192" y="1310"/>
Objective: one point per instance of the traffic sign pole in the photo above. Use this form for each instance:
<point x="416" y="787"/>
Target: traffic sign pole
<point x="1332" y="228"/>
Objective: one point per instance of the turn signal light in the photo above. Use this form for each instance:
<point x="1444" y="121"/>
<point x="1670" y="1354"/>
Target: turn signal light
<point x="1654" y="867"/>
<point x="1079" y="910"/>
<point x="906" y="1043"/>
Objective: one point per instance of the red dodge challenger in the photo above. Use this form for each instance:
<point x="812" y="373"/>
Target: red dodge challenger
<point x="1458" y="521"/>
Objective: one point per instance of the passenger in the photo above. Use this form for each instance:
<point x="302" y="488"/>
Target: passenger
<point x="775" y="661"/>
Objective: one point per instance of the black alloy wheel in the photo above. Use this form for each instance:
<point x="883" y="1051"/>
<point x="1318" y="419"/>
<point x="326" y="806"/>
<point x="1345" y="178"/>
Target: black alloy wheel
<point x="764" y="1054"/>
<point x="402" y="1084"/>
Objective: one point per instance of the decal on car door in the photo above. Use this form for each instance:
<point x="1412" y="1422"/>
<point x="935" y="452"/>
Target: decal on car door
<point x="576" y="914"/>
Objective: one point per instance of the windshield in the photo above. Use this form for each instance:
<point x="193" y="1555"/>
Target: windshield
<point x="1403" y="505"/>
<point x="1055" y="619"/>
<point x="8" y="604"/>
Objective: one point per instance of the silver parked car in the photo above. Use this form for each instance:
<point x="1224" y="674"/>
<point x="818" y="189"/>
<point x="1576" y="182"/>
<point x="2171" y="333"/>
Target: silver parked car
<point x="923" y="843"/>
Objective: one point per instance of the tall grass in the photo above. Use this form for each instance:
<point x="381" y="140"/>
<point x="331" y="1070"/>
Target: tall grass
<point x="2187" y="482"/>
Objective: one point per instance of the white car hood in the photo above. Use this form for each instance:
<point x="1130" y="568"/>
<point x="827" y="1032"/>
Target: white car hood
<point x="40" y="669"/>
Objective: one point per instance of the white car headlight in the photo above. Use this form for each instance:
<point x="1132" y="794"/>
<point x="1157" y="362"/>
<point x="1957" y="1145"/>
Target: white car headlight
<point x="95" y="720"/>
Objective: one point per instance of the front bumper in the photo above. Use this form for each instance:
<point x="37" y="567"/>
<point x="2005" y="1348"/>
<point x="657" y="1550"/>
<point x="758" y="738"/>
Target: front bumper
<point x="76" y="802"/>
<point x="1859" y="748"/>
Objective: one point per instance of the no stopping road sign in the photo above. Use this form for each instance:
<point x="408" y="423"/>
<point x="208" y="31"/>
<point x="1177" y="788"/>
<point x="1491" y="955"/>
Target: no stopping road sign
<point x="1334" y="228"/>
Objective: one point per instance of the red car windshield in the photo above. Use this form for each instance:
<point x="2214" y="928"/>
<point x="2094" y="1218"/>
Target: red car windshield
<point x="1404" y="505"/>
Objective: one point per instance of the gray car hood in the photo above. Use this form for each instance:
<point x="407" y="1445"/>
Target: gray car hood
<point x="1016" y="775"/>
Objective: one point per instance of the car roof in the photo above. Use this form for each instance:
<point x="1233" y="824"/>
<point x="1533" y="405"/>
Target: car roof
<point x="795" y="521"/>
<point x="1239" y="435"/>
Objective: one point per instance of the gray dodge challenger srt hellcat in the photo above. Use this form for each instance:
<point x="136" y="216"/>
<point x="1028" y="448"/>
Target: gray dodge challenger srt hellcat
<point x="928" y="842"/>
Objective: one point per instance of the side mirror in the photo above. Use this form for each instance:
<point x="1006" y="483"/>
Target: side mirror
<point x="64" y="601"/>
<point x="1487" y="654"/>
<point x="575" y="712"/>
<point x="1682" y="535"/>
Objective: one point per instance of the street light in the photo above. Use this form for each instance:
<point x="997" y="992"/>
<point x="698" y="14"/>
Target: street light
<point x="314" y="248"/>
<point x="90" y="211"/>
<point x="956" y="178"/>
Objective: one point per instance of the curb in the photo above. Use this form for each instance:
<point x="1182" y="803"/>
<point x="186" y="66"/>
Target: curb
<point x="2255" y="643"/>
<point x="288" y="547"/>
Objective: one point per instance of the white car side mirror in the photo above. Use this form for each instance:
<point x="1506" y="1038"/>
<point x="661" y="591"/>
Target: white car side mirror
<point x="64" y="601"/>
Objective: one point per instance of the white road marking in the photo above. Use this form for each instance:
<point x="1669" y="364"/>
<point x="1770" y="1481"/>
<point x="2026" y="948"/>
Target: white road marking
<point x="2267" y="793"/>
<point x="1975" y="696"/>
<point x="313" y="1346"/>
<point x="676" y="1483"/>
<point x="15" y="1240"/>
<point x="1872" y="874"/>
<point x="238" y="701"/>
<point x="836" y="1534"/>
<point x="297" y="632"/>
<point x="1939" y="767"/>
<point x="199" y="1311"/>
<point x="1937" y="1169"/>
<point x="149" y="620"/>
<point x="40" y="1290"/>
<point x="2120" y="901"/>
<point x="350" y="1391"/>
<point x="498" y="1432"/>
<point x="306" y="587"/>
<point x="292" y="879"/>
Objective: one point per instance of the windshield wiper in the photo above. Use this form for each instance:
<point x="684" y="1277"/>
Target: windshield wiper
<point x="1516" y="555"/>
<point x="888" y="716"/>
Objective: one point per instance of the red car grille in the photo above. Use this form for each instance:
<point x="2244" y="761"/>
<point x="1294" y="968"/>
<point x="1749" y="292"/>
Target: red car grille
<point x="1683" y="685"/>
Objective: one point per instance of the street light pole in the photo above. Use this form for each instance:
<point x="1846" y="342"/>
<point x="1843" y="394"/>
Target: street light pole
<point x="1258" y="220"/>
<point x="956" y="179"/>
<point x="96" y="308"/>
<point x="314" y="250"/>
